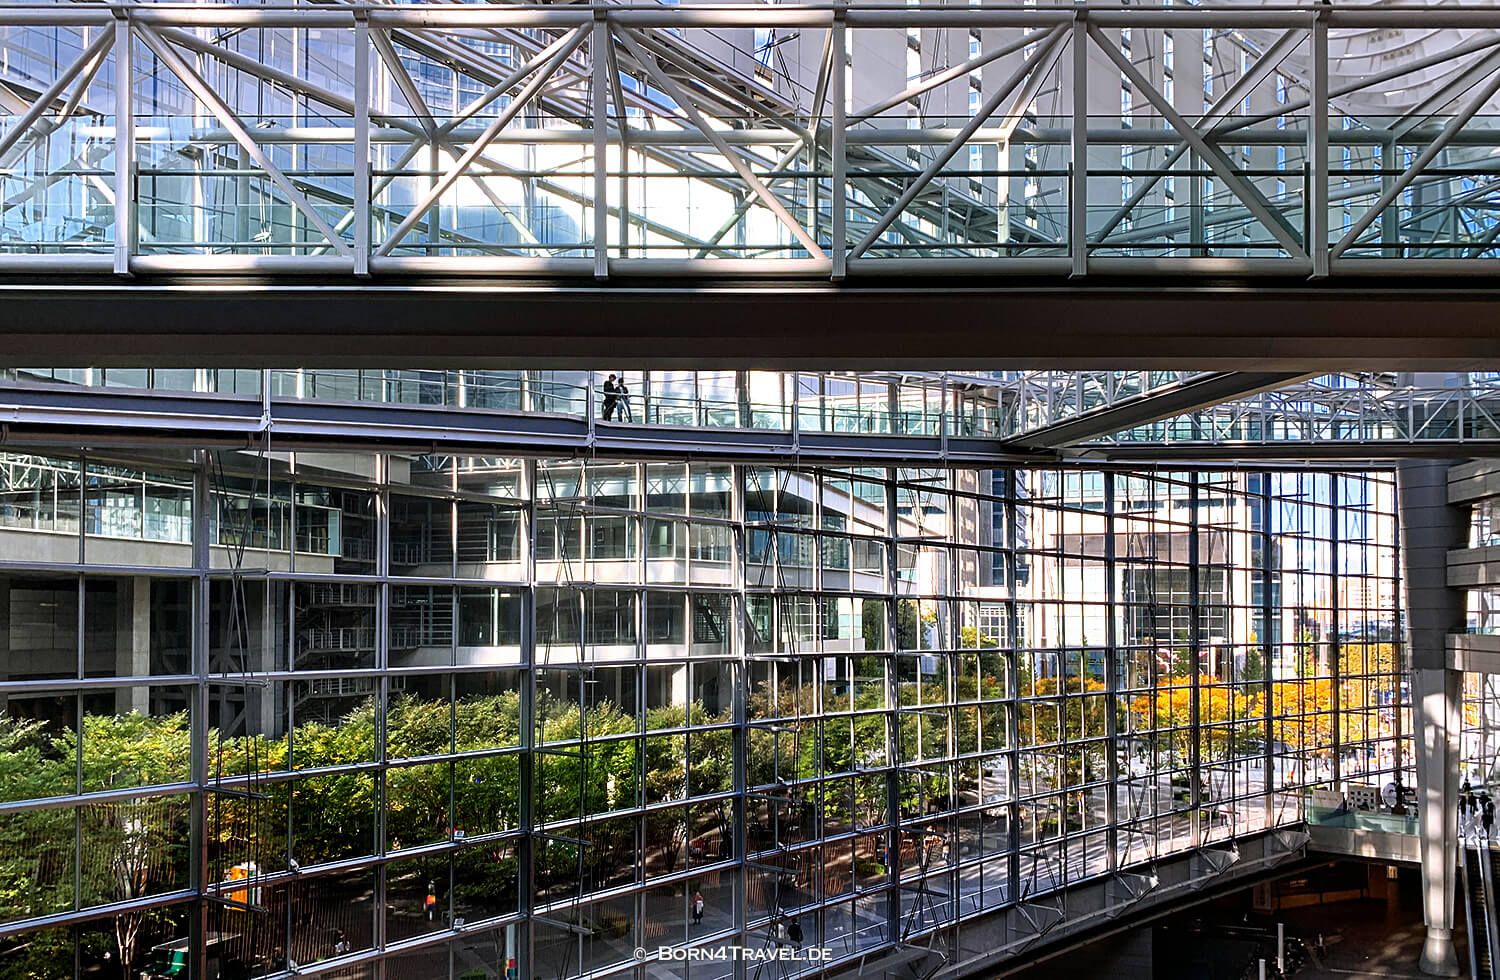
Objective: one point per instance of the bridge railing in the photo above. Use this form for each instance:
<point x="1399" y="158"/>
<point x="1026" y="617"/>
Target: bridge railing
<point x="929" y="404"/>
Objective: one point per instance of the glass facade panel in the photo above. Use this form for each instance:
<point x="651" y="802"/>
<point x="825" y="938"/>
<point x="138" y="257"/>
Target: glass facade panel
<point x="564" y="699"/>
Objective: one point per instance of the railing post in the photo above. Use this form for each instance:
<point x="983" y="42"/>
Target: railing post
<point x="361" y="188"/>
<point x="1317" y="148"/>
<point x="588" y="408"/>
<point x="598" y="47"/>
<point x="796" y="421"/>
<point x="124" y="146"/>
<point x="838" y="205"/>
<point x="1078" y="183"/>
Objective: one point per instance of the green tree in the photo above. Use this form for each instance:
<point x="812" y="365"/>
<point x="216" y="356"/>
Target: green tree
<point x="872" y="625"/>
<point x="970" y="639"/>
<point x="907" y="625"/>
<point x="36" y="847"/>
<point x="137" y="847"/>
<point x="1255" y="668"/>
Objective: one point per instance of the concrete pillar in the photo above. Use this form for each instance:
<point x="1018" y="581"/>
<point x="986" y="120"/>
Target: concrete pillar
<point x="1429" y="528"/>
<point x="264" y="712"/>
<point x="133" y="642"/>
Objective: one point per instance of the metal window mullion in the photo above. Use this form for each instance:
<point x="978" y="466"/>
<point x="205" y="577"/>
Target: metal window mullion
<point x="1316" y="195"/>
<point x="83" y="516"/>
<point x="1334" y="701"/>
<point x="78" y="673"/>
<point x="1267" y="613"/>
<point x="361" y="188"/>
<point x="740" y="747"/>
<point x="1078" y="219"/>
<point x="525" y="798"/>
<point x="1195" y="660"/>
<point x="838" y="202"/>
<point x="892" y="700"/>
<point x="382" y="663"/>
<point x="1013" y="686"/>
<point x="201" y="639"/>
<point x="1400" y="654"/>
<point x="78" y="712"/>
<point x="1111" y="672"/>
<point x="598" y="47"/>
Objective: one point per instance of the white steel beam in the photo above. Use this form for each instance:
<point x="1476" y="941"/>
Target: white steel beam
<point x="1078" y="155"/>
<point x="839" y="202"/>
<point x="361" y="189"/>
<point x="124" y="202"/>
<point x="599" y="99"/>
<point x="1317" y="150"/>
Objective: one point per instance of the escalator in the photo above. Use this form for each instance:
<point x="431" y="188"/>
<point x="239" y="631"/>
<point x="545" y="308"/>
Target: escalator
<point x="1479" y="869"/>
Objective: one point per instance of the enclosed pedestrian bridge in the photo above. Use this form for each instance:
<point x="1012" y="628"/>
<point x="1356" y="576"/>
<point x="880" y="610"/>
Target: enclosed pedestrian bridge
<point x="1295" y="187"/>
<point x="984" y="420"/>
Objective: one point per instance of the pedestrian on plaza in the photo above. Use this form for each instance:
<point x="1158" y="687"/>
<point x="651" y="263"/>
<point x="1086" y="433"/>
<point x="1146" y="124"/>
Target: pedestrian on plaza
<point x="1488" y="819"/>
<point x="611" y="397"/>
<point x="697" y="908"/>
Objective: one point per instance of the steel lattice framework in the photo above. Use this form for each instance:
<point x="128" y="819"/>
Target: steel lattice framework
<point x="499" y="139"/>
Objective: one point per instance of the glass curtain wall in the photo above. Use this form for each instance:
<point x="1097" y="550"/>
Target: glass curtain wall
<point x="487" y="718"/>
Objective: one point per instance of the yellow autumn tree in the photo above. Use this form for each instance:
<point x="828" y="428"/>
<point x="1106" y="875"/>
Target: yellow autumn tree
<point x="1302" y="714"/>
<point x="1222" y="709"/>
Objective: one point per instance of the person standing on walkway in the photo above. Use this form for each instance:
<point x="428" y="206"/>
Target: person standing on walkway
<point x="611" y="397"/>
<point x="624" y="396"/>
<point x="697" y="908"/>
<point x="1488" y="818"/>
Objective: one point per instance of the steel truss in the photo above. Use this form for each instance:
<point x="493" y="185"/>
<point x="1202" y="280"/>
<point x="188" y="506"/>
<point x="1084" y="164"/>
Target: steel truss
<point x="613" y="141"/>
<point x="1330" y="416"/>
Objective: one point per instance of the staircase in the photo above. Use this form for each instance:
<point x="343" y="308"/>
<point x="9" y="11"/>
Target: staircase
<point x="708" y="623"/>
